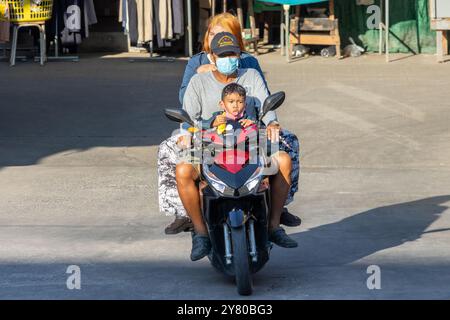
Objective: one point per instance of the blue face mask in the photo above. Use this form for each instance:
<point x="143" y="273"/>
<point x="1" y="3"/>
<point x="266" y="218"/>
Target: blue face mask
<point x="227" y="65"/>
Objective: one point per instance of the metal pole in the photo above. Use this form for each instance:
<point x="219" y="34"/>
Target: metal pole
<point x="240" y="13"/>
<point x="42" y="44"/>
<point x="381" y="28"/>
<point x="189" y="9"/>
<point x="251" y="17"/>
<point x="387" y="30"/>
<point x="282" y="33"/>
<point x="288" y="32"/>
<point x="213" y="8"/>
<point x="14" y="46"/>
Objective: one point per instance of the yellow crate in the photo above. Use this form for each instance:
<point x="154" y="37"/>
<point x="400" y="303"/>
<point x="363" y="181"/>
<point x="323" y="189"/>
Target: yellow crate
<point x="27" y="10"/>
<point x="4" y="12"/>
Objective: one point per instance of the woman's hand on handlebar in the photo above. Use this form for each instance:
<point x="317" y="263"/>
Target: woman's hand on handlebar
<point x="273" y="131"/>
<point x="206" y="68"/>
<point x="184" y="141"/>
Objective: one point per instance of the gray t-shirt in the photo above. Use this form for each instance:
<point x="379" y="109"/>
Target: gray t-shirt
<point x="204" y="92"/>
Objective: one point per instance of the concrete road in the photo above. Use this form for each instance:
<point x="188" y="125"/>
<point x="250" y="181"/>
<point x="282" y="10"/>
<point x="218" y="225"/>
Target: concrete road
<point x="78" y="146"/>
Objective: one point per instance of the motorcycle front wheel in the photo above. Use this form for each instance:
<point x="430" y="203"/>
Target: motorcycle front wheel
<point x="241" y="261"/>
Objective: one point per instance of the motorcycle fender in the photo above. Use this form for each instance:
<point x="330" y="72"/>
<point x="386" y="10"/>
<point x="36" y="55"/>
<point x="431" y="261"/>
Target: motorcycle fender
<point x="236" y="218"/>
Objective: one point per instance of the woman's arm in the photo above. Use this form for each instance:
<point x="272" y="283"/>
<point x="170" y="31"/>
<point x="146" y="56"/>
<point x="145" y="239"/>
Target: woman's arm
<point x="192" y="101"/>
<point x="189" y="72"/>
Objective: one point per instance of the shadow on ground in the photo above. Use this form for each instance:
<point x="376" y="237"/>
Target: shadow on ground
<point x="368" y="232"/>
<point x="323" y="260"/>
<point x="95" y="102"/>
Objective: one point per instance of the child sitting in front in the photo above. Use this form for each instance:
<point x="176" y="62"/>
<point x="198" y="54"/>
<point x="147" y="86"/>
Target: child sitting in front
<point x="233" y="105"/>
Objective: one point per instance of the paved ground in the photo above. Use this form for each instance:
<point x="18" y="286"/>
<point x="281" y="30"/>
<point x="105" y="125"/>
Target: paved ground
<point x="78" y="146"/>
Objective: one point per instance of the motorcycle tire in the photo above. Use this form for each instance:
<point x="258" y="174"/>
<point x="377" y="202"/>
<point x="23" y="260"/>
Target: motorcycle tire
<point x="241" y="261"/>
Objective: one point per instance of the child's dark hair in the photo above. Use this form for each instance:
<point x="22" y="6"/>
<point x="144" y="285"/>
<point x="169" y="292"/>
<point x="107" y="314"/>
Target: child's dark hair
<point x="233" y="88"/>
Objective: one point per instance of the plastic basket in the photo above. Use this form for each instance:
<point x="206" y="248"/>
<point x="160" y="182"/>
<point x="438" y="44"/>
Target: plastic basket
<point x="27" y="10"/>
<point x="4" y="11"/>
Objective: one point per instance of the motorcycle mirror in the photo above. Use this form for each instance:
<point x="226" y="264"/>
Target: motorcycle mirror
<point x="272" y="102"/>
<point x="179" y="115"/>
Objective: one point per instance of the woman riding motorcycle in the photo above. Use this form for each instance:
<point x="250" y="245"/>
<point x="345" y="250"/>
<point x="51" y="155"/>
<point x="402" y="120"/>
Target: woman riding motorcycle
<point x="201" y="101"/>
<point x="169" y="200"/>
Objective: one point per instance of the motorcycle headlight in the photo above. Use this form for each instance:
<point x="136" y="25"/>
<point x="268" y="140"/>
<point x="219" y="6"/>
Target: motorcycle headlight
<point x="254" y="180"/>
<point x="252" y="184"/>
<point x="215" y="183"/>
<point x="249" y="186"/>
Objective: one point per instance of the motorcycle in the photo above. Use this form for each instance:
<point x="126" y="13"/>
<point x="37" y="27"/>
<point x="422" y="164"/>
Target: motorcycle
<point x="235" y="194"/>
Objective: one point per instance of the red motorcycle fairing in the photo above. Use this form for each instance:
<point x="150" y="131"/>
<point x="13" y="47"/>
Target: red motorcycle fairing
<point x="232" y="160"/>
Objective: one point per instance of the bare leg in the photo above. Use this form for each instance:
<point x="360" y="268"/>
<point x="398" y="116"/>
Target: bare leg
<point x="186" y="176"/>
<point x="279" y="188"/>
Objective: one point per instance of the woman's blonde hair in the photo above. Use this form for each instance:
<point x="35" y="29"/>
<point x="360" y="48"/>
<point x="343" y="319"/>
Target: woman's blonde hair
<point x="227" y="21"/>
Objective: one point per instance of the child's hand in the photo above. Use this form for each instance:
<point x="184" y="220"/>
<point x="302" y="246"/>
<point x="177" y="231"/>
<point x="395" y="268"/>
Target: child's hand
<point x="246" y="122"/>
<point x="220" y="119"/>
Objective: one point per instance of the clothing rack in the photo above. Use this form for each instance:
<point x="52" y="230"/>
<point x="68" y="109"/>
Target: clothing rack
<point x="57" y="57"/>
<point x="189" y="45"/>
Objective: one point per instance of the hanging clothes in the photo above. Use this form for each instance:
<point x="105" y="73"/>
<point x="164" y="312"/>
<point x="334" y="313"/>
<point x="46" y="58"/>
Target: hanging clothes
<point x="178" y="17"/>
<point x="73" y="17"/>
<point x="72" y="14"/>
<point x="132" y="21"/>
<point x="123" y="14"/>
<point x="90" y="16"/>
<point x="136" y="17"/>
<point x="70" y="22"/>
<point x="156" y="21"/>
<point x="145" y="20"/>
<point x="164" y="28"/>
<point x="165" y="19"/>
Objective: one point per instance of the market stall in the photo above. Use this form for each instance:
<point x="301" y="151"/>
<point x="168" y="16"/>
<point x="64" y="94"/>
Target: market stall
<point x="120" y="25"/>
<point x="440" y="22"/>
<point x="285" y="28"/>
